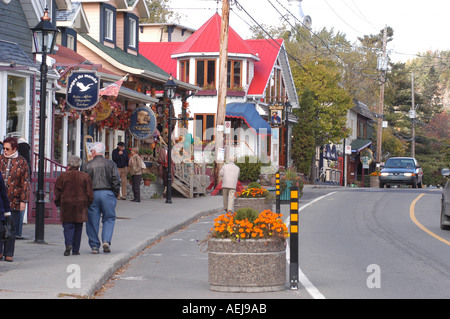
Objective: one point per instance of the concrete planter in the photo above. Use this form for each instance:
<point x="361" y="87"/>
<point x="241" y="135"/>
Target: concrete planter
<point x="247" y="266"/>
<point x="259" y="204"/>
<point x="374" y="181"/>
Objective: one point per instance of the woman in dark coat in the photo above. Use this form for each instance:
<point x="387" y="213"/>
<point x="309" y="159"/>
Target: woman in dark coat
<point x="73" y="195"/>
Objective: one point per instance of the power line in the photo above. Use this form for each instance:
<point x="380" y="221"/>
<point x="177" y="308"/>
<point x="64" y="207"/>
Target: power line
<point x="344" y="64"/>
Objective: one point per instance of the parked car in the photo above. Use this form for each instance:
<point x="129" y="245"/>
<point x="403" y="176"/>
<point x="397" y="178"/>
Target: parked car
<point x="401" y="171"/>
<point x="445" y="202"/>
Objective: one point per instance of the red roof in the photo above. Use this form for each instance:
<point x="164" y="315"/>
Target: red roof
<point x="268" y="52"/>
<point x="159" y="53"/>
<point x="207" y="39"/>
<point x="68" y="57"/>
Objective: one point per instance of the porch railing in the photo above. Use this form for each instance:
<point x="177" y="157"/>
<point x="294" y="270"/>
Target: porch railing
<point x="52" y="170"/>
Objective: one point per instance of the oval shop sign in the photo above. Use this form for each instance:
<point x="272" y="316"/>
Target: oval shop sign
<point x="83" y="90"/>
<point x="142" y="123"/>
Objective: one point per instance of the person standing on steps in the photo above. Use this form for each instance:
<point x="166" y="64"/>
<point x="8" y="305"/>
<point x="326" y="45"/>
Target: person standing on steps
<point x="106" y="184"/>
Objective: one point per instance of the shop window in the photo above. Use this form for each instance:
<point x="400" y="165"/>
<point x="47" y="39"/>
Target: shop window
<point x="204" y="127"/>
<point x="16" y="105"/>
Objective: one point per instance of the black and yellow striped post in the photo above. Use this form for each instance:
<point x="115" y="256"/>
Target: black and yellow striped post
<point x="293" y="276"/>
<point x="277" y="191"/>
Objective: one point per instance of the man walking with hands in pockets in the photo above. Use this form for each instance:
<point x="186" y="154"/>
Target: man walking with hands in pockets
<point x="230" y="174"/>
<point x="106" y="185"/>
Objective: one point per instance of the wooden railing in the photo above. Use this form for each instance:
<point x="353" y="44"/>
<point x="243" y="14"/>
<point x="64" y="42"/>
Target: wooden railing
<point x="190" y="179"/>
<point x="52" y="170"/>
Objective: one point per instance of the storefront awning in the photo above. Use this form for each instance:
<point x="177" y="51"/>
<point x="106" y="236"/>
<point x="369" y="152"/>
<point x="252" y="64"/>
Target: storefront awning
<point x="359" y="144"/>
<point x="248" y="113"/>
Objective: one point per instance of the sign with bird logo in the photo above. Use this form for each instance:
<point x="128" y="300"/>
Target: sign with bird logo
<point x="83" y="90"/>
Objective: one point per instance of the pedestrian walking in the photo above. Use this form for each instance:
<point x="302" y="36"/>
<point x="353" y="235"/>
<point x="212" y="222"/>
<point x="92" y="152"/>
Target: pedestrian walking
<point x="120" y="157"/>
<point x="106" y="184"/>
<point x="136" y="168"/>
<point x="14" y="169"/>
<point x="230" y="175"/>
<point x="73" y="195"/>
<point x="25" y="151"/>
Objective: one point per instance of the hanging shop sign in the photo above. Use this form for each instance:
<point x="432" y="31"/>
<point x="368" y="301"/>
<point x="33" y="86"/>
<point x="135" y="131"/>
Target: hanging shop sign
<point x="276" y="113"/>
<point x="103" y="112"/>
<point x="142" y="123"/>
<point x="366" y="156"/>
<point x="83" y="90"/>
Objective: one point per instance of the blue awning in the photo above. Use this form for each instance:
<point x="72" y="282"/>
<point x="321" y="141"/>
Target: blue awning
<point x="248" y="113"/>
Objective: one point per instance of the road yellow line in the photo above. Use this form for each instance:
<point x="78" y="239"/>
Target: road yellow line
<point x="414" y="219"/>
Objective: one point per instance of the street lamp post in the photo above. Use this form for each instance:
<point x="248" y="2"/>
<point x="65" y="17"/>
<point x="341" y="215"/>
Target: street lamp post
<point x="44" y="35"/>
<point x="288" y="109"/>
<point x="170" y="88"/>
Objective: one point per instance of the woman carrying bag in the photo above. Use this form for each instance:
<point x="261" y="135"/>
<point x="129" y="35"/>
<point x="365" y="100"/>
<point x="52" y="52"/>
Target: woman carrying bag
<point x="136" y="166"/>
<point x="5" y="214"/>
<point x="14" y="169"/>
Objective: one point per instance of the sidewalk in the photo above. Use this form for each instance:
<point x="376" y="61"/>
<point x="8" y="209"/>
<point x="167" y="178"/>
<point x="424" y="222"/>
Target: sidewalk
<point x="41" y="271"/>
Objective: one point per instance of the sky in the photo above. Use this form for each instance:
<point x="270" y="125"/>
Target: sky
<point x="418" y="26"/>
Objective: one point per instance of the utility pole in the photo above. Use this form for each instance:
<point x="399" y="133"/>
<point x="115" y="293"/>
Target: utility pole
<point x="412" y="115"/>
<point x="222" y="91"/>
<point x="382" y="66"/>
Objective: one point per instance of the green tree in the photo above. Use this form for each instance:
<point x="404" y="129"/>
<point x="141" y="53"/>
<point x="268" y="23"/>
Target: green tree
<point x="303" y="148"/>
<point x="326" y="101"/>
<point x="160" y="12"/>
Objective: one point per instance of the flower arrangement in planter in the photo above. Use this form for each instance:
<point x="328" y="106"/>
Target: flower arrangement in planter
<point x="254" y="196"/>
<point x="241" y="225"/>
<point x="247" y="252"/>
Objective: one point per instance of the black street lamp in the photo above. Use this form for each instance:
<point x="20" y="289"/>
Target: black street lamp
<point x="170" y="87"/>
<point x="288" y="110"/>
<point x="44" y="35"/>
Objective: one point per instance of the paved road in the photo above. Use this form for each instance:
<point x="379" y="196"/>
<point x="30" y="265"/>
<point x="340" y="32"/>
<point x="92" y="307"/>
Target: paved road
<point x="363" y="243"/>
<point x="354" y="243"/>
<point x="177" y="266"/>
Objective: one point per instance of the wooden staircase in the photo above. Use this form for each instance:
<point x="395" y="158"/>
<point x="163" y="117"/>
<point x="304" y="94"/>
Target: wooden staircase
<point x="190" y="179"/>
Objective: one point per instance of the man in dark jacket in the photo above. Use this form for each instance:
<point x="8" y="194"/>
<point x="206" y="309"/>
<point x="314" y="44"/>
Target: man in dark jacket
<point x="120" y="157"/>
<point x="106" y="185"/>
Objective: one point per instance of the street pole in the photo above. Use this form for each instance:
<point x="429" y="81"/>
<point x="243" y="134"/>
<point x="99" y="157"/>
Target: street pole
<point x="169" y="157"/>
<point x="293" y="247"/>
<point x="40" y="198"/>
<point x="413" y="116"/>
<point x="381" y="103"/>
<point x="222" y="89"/>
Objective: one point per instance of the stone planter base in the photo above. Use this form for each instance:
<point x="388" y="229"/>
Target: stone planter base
<point x="374" y="181"/>
<point x="247" y="266"/>
<point x="259" y="204"/>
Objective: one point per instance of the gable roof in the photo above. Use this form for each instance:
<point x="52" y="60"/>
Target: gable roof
<point x="267" y="51"/>
<point x="207" y="40"/>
